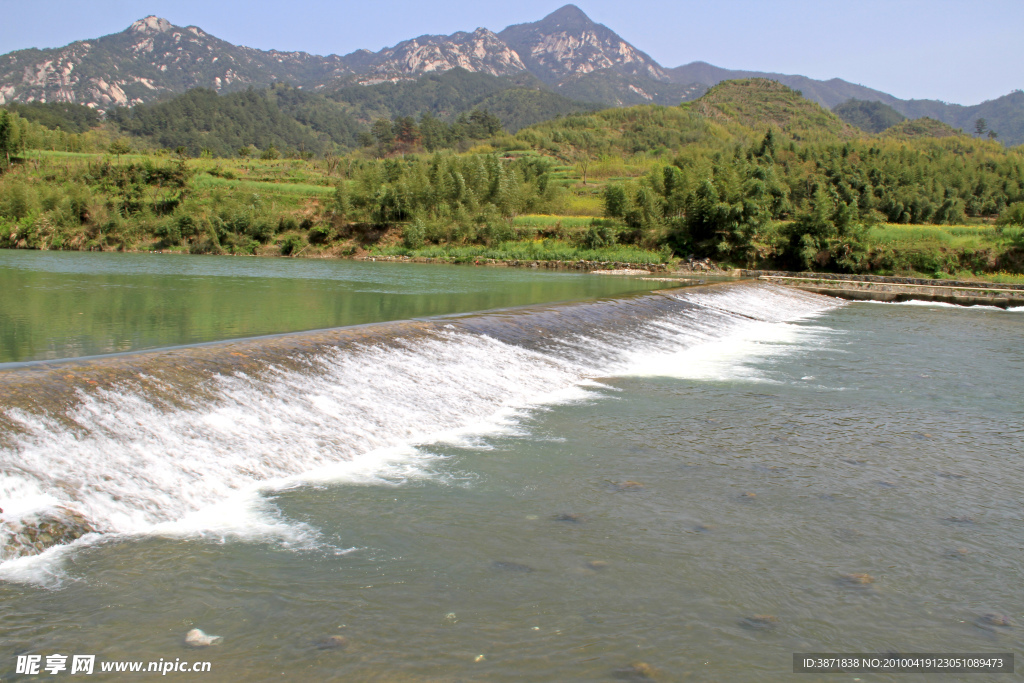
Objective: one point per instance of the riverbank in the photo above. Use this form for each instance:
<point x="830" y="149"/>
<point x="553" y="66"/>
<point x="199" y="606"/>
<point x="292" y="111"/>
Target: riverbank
<point x="896" y="289"/>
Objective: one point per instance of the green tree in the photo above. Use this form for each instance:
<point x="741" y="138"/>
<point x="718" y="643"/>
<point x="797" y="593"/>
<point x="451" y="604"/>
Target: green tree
<point x="980" y="126"/>
<point x="7" y="133"/>
<point x="615" y="202"/>
<point x="384" y="133"/>
<point x="119" y="147"/>
<point x="406" y="130"/>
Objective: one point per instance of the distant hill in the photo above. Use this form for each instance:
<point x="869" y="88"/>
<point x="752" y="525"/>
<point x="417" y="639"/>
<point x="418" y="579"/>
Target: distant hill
<point x="733" y="112"/>
<point x="759" y="104"/>
<point x="924" y="127"/>
<point x="1005" y="115"/>
<point x="827" y="93"/>
<point x="872" y="117"/>
<point x="731" y="115"/>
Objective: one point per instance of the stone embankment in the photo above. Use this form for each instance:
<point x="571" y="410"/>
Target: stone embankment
<point x="897" y="289"/>
<point x="524" y="263"/>
<point x="701" y="266"/>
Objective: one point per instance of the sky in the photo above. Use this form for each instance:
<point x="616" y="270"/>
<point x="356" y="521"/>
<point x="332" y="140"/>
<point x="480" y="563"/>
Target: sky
<point x="950" y="50"/>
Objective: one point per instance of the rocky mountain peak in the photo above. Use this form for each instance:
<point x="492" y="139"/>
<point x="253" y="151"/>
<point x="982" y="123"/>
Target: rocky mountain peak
<point x="568" y="18"/>
<point x="567" y="43"/>
<point x="153" y="58"/>
<point x="481" y="51"/>
<point x="151" y="24"/>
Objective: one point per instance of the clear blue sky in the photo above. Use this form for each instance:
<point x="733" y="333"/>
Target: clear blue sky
<point x="952" y="50"/>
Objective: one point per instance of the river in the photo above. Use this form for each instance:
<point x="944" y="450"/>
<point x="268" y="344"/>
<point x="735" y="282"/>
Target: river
<point x="691" y="484"/>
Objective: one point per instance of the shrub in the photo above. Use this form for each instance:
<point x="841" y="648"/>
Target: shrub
<point x="598" y="235"/>
<point x="320" y="234"/>
<point x="414" y="234"/>
<point x="1012" y="215"/>
<point x="291" y="245"/>
<point x="169" y="233"/>
<point x="261" y="230"/>
<point x="287" y="224"/>
<point x="188" y="225"/>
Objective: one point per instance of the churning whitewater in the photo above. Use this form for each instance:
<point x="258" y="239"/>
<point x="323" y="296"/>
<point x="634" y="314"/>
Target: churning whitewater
<point x="139" y="457"/>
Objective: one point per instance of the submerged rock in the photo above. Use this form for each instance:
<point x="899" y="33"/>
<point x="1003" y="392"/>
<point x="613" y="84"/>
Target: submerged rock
<point x="996" y="620"/>
<point x="35" y="532"/>
<point x="332" y="643"/>
<point x="628" y="486"/>
<point x="568" y="517"/>
<point x="196" y="638"/>
<point x="597" y="565"/>
<point x="637" y="671"/>
<point x="857" y="579"/>
<point x="760" y="622"/>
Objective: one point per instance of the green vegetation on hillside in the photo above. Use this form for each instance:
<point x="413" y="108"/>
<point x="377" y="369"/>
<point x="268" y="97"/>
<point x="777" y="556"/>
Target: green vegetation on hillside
<point x="921" y="128"/>
<point x="517" y="101"/>
<point x="873" y="117"/>
<point x="750" y="175"/>
<point x="70" y="118"/>
<point x="222" y="124"/>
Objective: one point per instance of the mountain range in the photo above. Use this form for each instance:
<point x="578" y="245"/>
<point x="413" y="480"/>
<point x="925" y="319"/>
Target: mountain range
<point x="565" y="53"/>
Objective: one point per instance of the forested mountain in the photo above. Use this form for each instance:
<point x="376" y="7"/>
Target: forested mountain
<point x="518" y="100"/>
<point x="70" y="118"/>
<point x="294" y="120"/>
<point x="873" y="117"/>
<point x="203" y="120"/>
<point x="565" y="54"/>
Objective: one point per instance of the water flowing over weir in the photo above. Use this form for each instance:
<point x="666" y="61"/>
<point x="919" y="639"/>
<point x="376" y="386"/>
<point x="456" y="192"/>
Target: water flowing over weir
<point x="181" y="441"/>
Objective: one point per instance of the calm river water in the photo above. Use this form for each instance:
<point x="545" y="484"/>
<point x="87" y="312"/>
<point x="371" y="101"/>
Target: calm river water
<point x="65" y="304"/>
<point x="696" y="492"/>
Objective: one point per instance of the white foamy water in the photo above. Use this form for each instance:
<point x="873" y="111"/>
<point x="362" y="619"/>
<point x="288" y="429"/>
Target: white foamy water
<point x="132" y="465"/>
<point x="943" y="304"/>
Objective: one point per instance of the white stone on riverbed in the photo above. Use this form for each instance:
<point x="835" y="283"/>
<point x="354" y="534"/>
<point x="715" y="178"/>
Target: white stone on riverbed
<point x="197" y="638"/>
